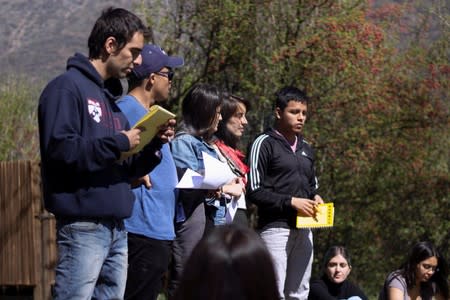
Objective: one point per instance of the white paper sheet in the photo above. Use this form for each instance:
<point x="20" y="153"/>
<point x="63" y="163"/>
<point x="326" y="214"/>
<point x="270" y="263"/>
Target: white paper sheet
<point x="217" y="174"/>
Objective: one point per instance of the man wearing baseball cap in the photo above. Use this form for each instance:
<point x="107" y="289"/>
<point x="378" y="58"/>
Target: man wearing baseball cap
<point x="151" y="225"/>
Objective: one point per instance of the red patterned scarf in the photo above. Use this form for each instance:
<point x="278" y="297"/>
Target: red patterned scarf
<point x="235" y="159"/>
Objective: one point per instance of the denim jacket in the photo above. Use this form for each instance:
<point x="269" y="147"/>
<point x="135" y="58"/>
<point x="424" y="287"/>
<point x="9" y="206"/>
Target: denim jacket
<point x="187" y="153"/>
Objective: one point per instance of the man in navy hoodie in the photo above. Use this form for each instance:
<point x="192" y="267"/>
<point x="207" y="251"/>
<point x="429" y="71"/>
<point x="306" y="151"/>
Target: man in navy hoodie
<point x="86" y="183"/>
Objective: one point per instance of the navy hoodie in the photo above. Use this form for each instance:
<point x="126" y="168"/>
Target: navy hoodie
<point x="81" y="144"/>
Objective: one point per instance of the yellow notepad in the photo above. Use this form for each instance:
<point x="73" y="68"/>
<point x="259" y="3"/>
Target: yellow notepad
<point x="150" y="122"/>
<point x="324" y="217"/>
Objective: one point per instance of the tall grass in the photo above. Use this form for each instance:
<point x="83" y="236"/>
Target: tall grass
<point x="19" y="139"/>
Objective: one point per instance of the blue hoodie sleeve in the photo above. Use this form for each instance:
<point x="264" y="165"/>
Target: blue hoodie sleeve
<point x="62" y="120"/>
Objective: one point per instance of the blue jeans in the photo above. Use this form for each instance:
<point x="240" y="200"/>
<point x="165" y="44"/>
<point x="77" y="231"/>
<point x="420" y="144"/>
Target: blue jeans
<point x="92" y="259"/>
<point x="217" y="208"/>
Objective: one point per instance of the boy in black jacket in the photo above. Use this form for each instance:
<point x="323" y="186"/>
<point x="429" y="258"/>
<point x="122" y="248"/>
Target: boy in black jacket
<point x="282" y="182"/>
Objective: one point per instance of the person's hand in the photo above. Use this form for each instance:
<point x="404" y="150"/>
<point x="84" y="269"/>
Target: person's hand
<point x="145" y="180"/>
<point x="133" y="136"/>
<point x="234" y="188"/>
<point x="167" y="131"/>
<point x="318" y="199"/>
<point x="305" y="207"/>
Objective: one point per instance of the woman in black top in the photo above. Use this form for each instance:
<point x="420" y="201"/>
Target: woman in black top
<point x="334" y="284"/>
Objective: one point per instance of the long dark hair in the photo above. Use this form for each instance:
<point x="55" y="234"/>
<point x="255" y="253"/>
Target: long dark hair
<point x="420" y="252"/>
<point x="228" y="109"/>
<point x="199" y="109"/>
<point x="114" y="22"/>
<point x="231" y="262"/>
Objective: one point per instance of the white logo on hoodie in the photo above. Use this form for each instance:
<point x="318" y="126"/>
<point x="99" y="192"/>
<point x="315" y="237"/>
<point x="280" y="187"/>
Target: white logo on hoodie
<point x="95" y="111"/>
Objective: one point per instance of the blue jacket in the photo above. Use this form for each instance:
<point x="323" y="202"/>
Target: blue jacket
<point x="187" y="153"/>
<point x="81" y="144"/>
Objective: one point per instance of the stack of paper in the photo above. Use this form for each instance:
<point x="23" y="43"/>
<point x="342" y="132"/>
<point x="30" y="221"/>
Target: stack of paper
<point x="217" y="174"/>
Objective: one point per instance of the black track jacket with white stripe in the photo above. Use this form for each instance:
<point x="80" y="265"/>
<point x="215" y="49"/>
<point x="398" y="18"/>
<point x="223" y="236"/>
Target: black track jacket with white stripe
<point x="277" y="174"/>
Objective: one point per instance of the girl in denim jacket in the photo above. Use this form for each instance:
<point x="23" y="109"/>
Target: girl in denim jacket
<point x="201" y="116"/>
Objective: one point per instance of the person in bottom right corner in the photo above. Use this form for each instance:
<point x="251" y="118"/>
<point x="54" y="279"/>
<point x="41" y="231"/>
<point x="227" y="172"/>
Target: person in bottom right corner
<point x="424" y="275"/>
<point x="333" y="283"/>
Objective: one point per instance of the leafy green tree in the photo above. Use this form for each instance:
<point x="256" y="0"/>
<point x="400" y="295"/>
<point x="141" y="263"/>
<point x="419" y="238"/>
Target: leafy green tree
<point x="379" y="81"/>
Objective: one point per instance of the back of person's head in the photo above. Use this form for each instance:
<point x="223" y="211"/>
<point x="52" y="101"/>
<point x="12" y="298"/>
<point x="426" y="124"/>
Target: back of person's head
<point x="199" y="108"/>
<point x="418" y="253"/>
<point x="231" y="262"/>
<point x="230" y="105"/>
<point x="289" y="93"/>
<point x="114" y="22"/>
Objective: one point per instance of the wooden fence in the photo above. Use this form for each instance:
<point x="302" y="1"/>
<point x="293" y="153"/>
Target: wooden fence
<point x="27" y="231"/>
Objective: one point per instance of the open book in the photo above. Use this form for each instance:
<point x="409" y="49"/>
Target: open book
<point x="324" y="217"/>
<point x="150" y="122"/>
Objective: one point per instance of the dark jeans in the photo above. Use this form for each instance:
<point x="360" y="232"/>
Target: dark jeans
<point x="240" y="218"/>
<point x="189" y="233"/>
<point x="148" y="262"/>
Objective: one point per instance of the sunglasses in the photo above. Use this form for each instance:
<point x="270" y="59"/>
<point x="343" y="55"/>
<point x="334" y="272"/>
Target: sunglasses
<point x="169" y="74"/>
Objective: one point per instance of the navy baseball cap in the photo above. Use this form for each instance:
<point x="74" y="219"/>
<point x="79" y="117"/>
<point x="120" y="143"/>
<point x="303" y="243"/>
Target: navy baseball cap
<point x="153" y="60"/>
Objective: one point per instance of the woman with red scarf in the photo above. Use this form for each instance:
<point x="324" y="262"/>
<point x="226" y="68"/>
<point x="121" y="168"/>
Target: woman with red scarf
<point x="228" y="135"/>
